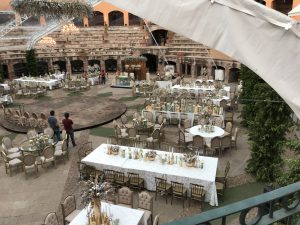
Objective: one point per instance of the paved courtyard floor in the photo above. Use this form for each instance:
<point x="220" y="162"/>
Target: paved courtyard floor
<point x="28" y="201"/>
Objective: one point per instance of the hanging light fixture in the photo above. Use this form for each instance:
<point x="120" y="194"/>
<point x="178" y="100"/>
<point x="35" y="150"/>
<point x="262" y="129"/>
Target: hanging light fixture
<point x="70" y="28"/>
<point x="52" y="8"/>
<point x="47" y="42"/>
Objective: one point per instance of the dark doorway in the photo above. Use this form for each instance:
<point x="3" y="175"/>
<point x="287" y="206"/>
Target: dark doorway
<point x="77" y="66"/>
<point x="93" y="62"/>
<point x="61" y="65"/>
<point x="116" y="18"/>
<point x="283" y="6"/>
<point x="234" y="75"/>
<point x="32" y="21"/>
<point x="111" y="65"/>
<point x="96" y="19"/>
<point x="151" y="62"/>
<point x="6" y="17"/>
<point x="42" y="67"/>
<point x="160" y="36"/>
<point x="78" y="22"/>
<point x="5" y="71"/>
<point x="134" y="20"/>
<point x="20" y="69"/>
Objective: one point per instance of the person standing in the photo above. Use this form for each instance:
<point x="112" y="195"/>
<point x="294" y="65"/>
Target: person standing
<point x="52" y="121"/>
<point x="103" y="77"/>
<point x="68" y="125"/>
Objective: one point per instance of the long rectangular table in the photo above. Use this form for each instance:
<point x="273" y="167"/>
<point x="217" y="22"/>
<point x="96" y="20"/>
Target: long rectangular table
<point x="49" y="83"/>
<point x="125" y="215"/>
<point x="151" y="169"/>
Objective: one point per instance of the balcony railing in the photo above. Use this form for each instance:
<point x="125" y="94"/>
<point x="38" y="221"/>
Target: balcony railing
<point x="279" y="205"/>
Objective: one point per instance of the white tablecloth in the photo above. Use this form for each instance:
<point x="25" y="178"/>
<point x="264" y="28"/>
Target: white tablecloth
<point x="164" y="84"/>
<point x="218" y="132"/>
<point x="49" y="83"/>
<point x="219" y="74"/>
<point x="59" y="76"/>
<point x="5" y="87"/>
<point x="195" y="89"/>
<point x="93" y="80"/>
<point x="127" y="216"/>
<point x="151" y="169"/>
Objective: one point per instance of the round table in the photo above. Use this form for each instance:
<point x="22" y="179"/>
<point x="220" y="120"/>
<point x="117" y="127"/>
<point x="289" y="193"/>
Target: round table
<point x="197" y="131"/>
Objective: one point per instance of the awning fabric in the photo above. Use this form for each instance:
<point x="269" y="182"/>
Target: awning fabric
<point x="263" y="39"/>
<point x="295" y="11"/>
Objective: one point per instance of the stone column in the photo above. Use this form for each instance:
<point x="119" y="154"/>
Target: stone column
<point x="178" y="65"/>
<point x="102" y="63"/>
<point x="209" y="69"/>
<point x="126" y="19"/>
<point x="119" y="63"/>
<point x="11" y="71"/>
<point x="50" y="64"/>
<point x="68" y="66"/>
<point x="42" y="20"/>
<point x="105" y="17"/>
<point x="226" y="74"/>
<point x="85" y="64"/>
<point x="193" y="69"/>
<point x="85" y="21"/>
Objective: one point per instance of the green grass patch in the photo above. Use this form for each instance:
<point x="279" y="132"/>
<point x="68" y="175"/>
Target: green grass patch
<point x="75" y="93"/>
<point x="43" y="98"/>
<point x="102" y="131"/>
<point x="236" y="194"/>
<point x="127" y="99"/>
<point x="106" y="94"/>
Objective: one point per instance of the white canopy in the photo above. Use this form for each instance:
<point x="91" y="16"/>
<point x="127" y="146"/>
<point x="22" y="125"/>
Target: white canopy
<point x="295" y="11"/>
<point x="261" y="38"/>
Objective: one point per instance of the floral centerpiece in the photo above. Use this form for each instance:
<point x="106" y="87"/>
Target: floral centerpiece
<point x="151" y="155"/>
<point x="190" y="159"/>
<point x="40" y="141"/>
<point x="94" y="192"/>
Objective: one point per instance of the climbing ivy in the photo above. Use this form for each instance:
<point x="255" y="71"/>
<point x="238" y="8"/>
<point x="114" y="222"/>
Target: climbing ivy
<point x="31" y="62"/>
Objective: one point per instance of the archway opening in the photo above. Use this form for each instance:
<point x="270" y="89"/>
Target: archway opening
<point x="32" y="21"/>
<point x="96" y="19"/>
<point x="200" y="68"/>
<point x="172" y="63"/>
<point x="186" y="68"/>
<point x="6" y="17"/>
<point x="78" y="22"/>
<point x="4" y="71"/>
<point x="92" y="62"/>
<point x="42" y="67"/>
<point x="160" y="36"/>
<point x="234" y="75"/>
<point x="116" y="18"/>
<point x="60" y="65"/>
<point x="77" y="66"/>
<point x="217" y="73"/>
<point x="134" y="20"/>
<point x="20" y="69"/>
<point x="283" y="6"/>
<point x="111" y="65"/>
<point x="151" y="63"/>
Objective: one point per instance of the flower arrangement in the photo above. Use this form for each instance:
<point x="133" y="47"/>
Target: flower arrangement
<point x="40" y="141"/>
<point x="189" y="159"/>
<point x="54" y="8"/>
<point x="151" y="155"/>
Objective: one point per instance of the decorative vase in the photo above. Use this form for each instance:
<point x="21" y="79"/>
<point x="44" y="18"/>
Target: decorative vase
<point x="96" y="216"/>
<point x="190" y="164"/>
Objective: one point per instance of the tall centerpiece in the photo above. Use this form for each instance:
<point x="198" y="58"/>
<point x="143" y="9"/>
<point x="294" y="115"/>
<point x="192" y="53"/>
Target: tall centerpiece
<point x="92" y="195"/>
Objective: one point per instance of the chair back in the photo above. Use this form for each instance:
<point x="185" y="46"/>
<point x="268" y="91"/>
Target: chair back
<point x="134" y="178"/>
<point x="29" y="160"/>
<point x="187" y="123"/>
<point x="236" y="130"/>
<point x="48" y="152"/>
<point x="132" y="132"/>
<point x="228" y="127"/>
<point x="227" y="168"/>
<point x="160" y="119"/>
<point x="6" y="143"/>
<point x="223" y="103"/>
<point x="68" y="205"/>
<point x="156" y="134"/>
<point x="177" y="187"/>
<point x="43" y="116"/>
<point x="226" y="141"/>
<point x="198" y="141"/>
<point x="181" y="136"/>
<point x="109" y="174"/>
<point x="149" y="116"/>
<point x="48" y="131"/>
<point x="64" y="134"/>
<point x="26" y="114"/>
<point x="51" y="219"/>
<point x="156" y="220"/>
<point x="64" y="146"/>
<point x="215" y="142"/>
<point x="119" y="176"/>
<point x="145" y="201"/>
<point x="160" y="183"/>
<point x="218" y="121"/>
<point x="34" y="116"/>
<point x="124" y="119"/>
<point x="197" y="190"/>
<point x="125" y="196"/>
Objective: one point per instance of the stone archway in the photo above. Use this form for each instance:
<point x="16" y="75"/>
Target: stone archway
<point x="234" y="75"/>
<point x="77" y="66"/>
<point x="4" y="71"/>
<point x="96" y="19"/>
<point x="283" y="6"/>
<point x="133" y="20"/>
<point x="78" y="22"/>
<point x="32" y="21"/>
<point x="92" y="62"/>
<point x="160" y="36"/>
<point x="116" y="18"/>
<point x="20" y="69"/>
<point x="151" y="63"/>
<point x="6" y="17"/>
<point x="111" y="65"/>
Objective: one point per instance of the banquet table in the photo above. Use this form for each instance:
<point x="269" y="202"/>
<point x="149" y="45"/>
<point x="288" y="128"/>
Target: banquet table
<point x="93" y="80"/>
<point x="217" y="132"/>
<point x="5" y="87"/>
<point x="196" y="89"/>
<point x="49" y="83"/>
<point x="151" y="169"/>
<point x="126" y="216"/>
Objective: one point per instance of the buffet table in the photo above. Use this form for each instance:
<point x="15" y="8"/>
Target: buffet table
<point x="27" y="81"/>
<point x="125" y="215"/>
<point x="151" y="169"/>
<point x="93" y="80"/>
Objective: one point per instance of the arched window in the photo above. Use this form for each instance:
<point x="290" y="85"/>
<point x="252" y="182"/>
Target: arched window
<point x="160" y="36"/>
<point x="6" y="17"/>
<point x="134" y="20"/>
<point x="42" y="67"/>
<point x="32" y="21"/>
<point x="77" y="66"/>
<point x="111" y="65"/>
<point x="151" y="62"/>
<point x="96" y="19"/>
<point x="20" y="69"/>
<point x="116" y="18"/>
<point x="60" y="65"/>
<point x="78" y="22"/>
